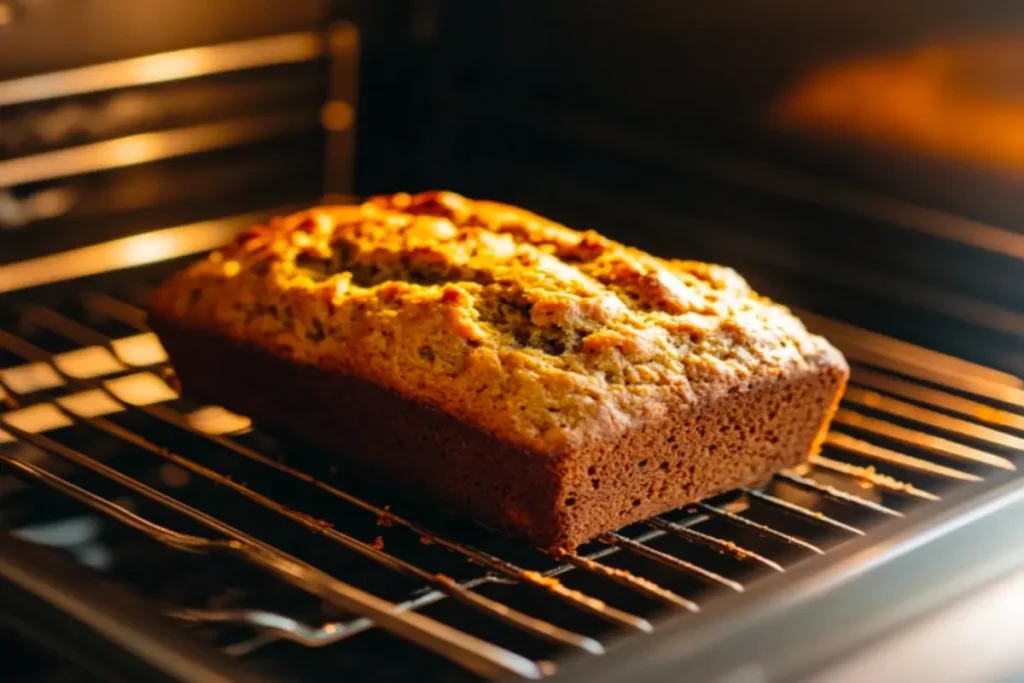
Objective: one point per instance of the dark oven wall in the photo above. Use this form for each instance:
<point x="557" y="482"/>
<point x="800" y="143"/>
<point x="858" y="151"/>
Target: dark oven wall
<point x="862" y="159"/>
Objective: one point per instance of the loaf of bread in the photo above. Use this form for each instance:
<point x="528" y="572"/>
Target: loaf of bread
<point x="551" y="383"/>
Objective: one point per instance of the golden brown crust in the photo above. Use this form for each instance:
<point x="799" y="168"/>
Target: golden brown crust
<point x="548" y="338"/>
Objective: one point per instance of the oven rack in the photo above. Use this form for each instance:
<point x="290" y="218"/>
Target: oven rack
<point x="914" y="425"/>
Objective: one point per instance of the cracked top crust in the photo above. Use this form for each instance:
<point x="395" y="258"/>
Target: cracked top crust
<point x="546" y="337"/>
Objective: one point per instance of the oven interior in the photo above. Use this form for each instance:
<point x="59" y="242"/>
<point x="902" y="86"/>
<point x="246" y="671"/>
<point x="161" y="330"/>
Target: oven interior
<point x="146" y="535"/>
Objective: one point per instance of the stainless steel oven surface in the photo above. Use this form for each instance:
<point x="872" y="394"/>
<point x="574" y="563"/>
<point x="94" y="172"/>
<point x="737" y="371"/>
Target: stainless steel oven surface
<point x="859" y="162"/>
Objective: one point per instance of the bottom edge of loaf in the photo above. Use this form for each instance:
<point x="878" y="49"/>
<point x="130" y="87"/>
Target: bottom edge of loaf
<point x="557" y="503"/>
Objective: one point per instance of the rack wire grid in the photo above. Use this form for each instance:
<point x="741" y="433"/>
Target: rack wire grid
<point x="277" y="554"/>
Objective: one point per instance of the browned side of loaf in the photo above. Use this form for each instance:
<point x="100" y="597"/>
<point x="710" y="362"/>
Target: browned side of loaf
<point x="739" y="439"/>
<point x="554" y="501"/>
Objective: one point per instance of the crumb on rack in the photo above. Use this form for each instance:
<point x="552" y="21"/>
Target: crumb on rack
<point x="384" y="519"/>
<point x="556" y="586"/>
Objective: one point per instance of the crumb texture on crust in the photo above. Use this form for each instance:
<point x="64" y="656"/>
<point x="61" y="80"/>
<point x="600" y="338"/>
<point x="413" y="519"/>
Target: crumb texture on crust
<point x="546" y="337"/>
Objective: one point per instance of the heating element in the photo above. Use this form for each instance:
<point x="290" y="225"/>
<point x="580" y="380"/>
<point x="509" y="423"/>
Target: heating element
<point x="283" y="559"/>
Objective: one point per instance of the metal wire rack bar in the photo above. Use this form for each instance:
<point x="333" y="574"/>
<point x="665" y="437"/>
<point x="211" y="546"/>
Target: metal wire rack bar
<point x="712" y="542"/>
<point x="871" y="451"/>
<point x="872" y="478"/>
<point x="940" y="399"/>
<point x="929" y="442"/>
<point x="670" y="560"/>
<point x="763" y="529"/>
<point x="836" y="494"/>
<point x="799" y="511"/>
<point x="932" y="418"/>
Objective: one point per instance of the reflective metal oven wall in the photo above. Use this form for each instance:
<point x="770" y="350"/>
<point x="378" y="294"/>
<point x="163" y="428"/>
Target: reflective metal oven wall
<point x="118" y="116"/>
